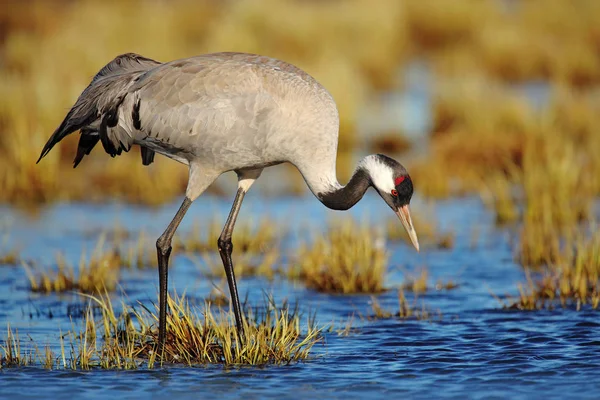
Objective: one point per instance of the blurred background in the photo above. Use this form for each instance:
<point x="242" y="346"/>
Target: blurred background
<point x="465" y="93"/>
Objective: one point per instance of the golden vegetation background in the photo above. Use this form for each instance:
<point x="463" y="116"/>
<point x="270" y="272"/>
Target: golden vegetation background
<point x="50" y="50"/>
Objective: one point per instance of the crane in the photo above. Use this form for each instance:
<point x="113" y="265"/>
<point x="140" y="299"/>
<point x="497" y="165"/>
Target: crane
<point x="225" y="112"/>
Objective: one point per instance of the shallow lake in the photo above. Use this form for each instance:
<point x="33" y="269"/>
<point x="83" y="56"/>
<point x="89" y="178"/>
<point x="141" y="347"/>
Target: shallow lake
<point x="470" y="348"/>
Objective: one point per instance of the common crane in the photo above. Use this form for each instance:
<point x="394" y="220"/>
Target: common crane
<point x="225" y="112"/>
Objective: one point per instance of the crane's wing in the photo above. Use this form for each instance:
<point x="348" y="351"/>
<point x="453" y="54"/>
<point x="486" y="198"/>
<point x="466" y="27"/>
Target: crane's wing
<point x="96" y="109"/>
<point x="182" y="104"/>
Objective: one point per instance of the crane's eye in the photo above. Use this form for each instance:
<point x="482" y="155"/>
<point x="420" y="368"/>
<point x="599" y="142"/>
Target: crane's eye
<point x="394" y="193"/>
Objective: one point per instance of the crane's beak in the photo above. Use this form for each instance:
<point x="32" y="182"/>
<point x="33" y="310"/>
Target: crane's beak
<point x="404" y="215"/>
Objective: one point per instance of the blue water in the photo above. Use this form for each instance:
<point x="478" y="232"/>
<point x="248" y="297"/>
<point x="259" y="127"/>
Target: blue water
<point x="471" y="348"/>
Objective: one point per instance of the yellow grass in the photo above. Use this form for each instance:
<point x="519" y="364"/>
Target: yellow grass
<point x="429" y="235"/>
<point x="142" y="254"/>
<point x="353" y="48"/>
<point x="99" y="273"/>
<point x="9" y="257"/>
<point x="347" y="259"/>
<point x="419" y="283"/>
<point x="405" y="309"/>
<point x="247" y="238"/>
<point x="196" y="336"/>
<point x="12" y="354"/>
<point x="572" y="278"/>
<point x="245" y="264"/>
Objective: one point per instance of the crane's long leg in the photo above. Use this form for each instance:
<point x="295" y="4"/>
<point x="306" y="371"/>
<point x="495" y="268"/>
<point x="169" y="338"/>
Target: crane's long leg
<point x="225" y="250"/>
<point x="163" y="249"/>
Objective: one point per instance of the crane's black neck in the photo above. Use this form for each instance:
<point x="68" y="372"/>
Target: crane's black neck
<point x="346" y="196"/>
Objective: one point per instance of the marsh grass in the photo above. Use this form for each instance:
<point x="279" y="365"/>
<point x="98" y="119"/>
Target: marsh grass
<point x="428" y="232"/>
<point x="348" y="44"/>
<point x="264" y="265"/>
<point x="9" y="257"/>
<point x="573" y="278"/>
<point x="140" y="254"/>
<point x="348" y="259"/>
<point x="419" y="284"/>
<point x="101" y="272"/>
<point x="196" y="336"/>
<point x="13" y="353"/>
<point x="247" y="237"/>
<point x="406" y="310"/>
<point x="558" y="197"/>
<point x="389" y="142"/>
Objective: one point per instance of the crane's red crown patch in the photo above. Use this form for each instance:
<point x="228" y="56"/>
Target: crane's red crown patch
<point x="399" y="180"/>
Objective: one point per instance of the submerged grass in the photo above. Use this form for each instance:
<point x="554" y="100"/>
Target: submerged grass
<point x="347" y="259"/>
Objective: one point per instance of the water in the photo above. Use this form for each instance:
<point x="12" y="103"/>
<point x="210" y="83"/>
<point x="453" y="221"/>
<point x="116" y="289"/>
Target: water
<point x="471" y="347"/>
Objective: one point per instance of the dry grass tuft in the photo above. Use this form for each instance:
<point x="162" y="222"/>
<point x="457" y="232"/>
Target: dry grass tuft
<point x="348" y="259"/>
<point x="572" y="278"/>
<point x="10" y="257"/>
<point x="13" y="355"/>
<point x="418" y="284"/>
<point x="245" y="265"/>
<point x="405" y="311"/>
<point x="195" y="336"/>
<point x="99" y="273"/>
<point x="429" y="236"/>
<point x="247" y="238"/>
<point x="140" y="255"/>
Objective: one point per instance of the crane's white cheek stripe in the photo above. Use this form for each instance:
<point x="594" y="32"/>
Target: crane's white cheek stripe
<point x="381" y="174"/>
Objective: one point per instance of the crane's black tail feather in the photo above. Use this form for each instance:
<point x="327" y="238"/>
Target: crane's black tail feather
<point x="99" y="103"/>
<point x="147" y="156"/>
<point x="87" y="141"/>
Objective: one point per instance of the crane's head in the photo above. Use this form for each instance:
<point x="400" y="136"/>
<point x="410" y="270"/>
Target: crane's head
<point x="392" y="182"/>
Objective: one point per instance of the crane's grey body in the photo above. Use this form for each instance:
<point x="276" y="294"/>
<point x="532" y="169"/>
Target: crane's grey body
<point x="231" y="111"/>
<point x="225" y="112"/>
<point x="220" y="112"/>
